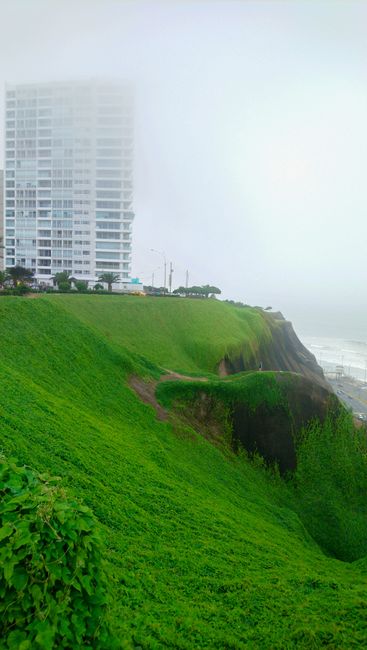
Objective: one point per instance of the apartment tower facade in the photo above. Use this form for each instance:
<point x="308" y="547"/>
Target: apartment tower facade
<point x="2" y="220"/>
<point x="69" y="179"/>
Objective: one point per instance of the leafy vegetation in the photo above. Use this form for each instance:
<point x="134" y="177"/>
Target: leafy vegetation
<point x="109" y="278"/>
<point x="15" y="281"/>
<point x="51" y="581"/>
<point x="81" y="285"/>
<point x="204" y="549"/>
<point x="252" y="388"/>
<point x="63" y="280"/>
<point x="3" y="278"/>
<point x="64" y="286"/>
<point x="201" y="292"/>
<point x="19" y="275"/>
<point x="330" y="486"/>
<point x="20" y="289"/>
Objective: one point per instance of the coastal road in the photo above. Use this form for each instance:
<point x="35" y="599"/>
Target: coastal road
<point x="352" y="393"/>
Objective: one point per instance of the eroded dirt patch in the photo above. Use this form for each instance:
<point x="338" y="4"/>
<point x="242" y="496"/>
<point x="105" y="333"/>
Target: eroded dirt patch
<point x="174" y="376"/>
<point x="146" y="391"/>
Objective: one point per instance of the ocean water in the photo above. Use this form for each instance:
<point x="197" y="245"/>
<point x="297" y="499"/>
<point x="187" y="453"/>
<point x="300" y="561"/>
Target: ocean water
<point x="332" y="352"/>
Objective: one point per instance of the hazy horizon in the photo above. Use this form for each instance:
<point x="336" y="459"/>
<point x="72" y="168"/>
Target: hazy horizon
<point x="251" y="139"/>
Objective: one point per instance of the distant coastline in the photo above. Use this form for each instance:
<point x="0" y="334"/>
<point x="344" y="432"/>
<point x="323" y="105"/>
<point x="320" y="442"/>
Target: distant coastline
<point x="331" y="352"/>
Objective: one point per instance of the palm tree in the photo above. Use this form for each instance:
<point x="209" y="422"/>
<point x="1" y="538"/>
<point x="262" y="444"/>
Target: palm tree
<point x="20" y="275"/>
<point x="62" y="277"/>
<point x="109" y="278"/>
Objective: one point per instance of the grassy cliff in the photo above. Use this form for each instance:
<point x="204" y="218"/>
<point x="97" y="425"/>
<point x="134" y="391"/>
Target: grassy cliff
<point x="183" y="335"/>
<point x="202" y="551"/>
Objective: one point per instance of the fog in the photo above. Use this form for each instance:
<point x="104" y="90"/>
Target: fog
<point x="250" y="139"/>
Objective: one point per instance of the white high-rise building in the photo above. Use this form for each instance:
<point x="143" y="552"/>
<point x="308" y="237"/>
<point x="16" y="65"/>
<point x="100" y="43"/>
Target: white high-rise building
<point x="69" y="179"/>
<point x="1" y="220"/>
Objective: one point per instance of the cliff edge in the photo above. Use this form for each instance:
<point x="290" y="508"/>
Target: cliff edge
<point x="281" y="351"/>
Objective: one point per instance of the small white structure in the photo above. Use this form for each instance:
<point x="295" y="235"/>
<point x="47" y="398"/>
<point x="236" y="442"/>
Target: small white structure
<point x="134" y="285"/>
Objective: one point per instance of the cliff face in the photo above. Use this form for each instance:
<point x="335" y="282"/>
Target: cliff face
<point x="273" y="432"/>
<point x="283" y="352"/>
<point x="263" y="412"/>
<point x="307" y="395"/>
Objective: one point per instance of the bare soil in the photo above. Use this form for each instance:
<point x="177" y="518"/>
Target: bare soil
<point x="173" y="376"/>
<point x="146" y="389"/>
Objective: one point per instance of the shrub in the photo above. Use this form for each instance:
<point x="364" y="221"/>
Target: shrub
<point x="64" y="286"/>
<point x="81" y="285"/>
<point x="330" y="486"/>
<point x="51" y="580"/>
<point x="21" y="289"/>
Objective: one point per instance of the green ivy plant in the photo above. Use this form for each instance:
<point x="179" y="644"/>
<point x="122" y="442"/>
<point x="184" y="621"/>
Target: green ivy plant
<point x="52" y="583"/>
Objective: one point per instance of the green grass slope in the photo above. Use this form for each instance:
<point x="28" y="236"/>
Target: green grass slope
<point x="252" y="388"/>
<point x="201" y="554"/>
<point x="182" y="335"/>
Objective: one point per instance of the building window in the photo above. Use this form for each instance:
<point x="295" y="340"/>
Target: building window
<point x="107" y="265"/>
<point x="109" y="205"/>
<point x="108" y="235"/>
<point x="108" y="245"/>
<point x="108" y="225"/>
<point x="107" y="256"/>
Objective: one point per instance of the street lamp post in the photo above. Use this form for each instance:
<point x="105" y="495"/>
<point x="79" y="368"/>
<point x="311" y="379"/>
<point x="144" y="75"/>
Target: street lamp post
<point x="170" y="277"/>
<point x="157" y="268"/>
<point x="165" y="264"/>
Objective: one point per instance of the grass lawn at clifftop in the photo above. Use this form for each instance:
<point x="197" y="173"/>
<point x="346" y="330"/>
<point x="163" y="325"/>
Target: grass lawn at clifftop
<point x="185" y="335"/>
<point x="200" y="552"/>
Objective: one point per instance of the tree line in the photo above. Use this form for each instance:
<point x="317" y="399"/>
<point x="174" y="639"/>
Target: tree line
<point x="20" y="277"/>
<point x="204" y="291"/>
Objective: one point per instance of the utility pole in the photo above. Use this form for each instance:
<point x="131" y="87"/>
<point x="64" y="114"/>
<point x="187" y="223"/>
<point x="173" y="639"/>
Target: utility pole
<point x="187" y="279"/>
<point x="170" y="277"/>
<point x="165" y="265"/>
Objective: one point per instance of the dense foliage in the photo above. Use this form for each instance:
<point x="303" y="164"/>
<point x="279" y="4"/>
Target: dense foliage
<point x="109" y="278"/>
<point x="19" y="275"/>
<point x="63" y="279"/>
<point x="252" y="388"/>
<point x="200" y="292"/>
<point x="20" y="289"/>
<point x="331" y="486"/>
<point x="51" y="580"/>
<point x="328" y="489"/>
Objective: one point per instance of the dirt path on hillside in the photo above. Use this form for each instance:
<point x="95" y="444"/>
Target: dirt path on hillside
<point x="146" y="389"/>
<point x="222" y="369"/>
<point x="173" y="376"/>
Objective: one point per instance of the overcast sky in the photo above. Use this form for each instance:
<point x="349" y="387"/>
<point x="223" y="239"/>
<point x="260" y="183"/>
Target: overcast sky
<point x="251" y="138"/>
